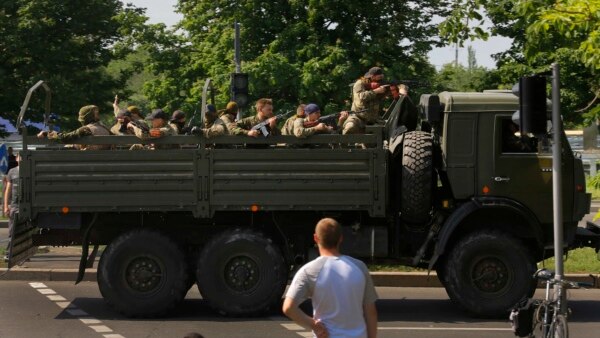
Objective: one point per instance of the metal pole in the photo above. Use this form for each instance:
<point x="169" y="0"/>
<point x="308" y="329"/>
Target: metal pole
<point x="557" y="172"/>
<point x="236" y="47"/>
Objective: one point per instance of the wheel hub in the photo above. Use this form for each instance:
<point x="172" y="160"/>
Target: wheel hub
<point x="241" y="273"/>
<point x="490" y="275"/>
<point x="143" y="274"/>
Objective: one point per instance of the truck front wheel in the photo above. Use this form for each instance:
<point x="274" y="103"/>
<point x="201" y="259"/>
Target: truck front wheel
<point x="143" y="273"/>
<point x="488" y="272"/>
<point x="241" y="273"/>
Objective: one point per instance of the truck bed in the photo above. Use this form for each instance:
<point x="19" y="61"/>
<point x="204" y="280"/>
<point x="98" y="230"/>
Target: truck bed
<point x="204" y="180"/>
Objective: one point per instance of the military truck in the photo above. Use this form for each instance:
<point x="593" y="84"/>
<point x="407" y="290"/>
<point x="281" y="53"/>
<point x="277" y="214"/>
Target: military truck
<point x="235" y="215"/>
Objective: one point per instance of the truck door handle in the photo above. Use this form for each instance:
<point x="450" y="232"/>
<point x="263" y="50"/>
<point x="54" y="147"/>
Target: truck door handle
<point x="501" y="179"/>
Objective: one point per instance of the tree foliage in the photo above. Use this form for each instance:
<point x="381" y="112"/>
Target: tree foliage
<point x="295" y="51"/>
<point x="543" y="32"/>
<point x="65" y="43"/>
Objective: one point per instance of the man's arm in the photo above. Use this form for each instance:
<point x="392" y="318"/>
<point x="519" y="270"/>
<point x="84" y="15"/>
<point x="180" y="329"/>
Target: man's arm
<point x="7" y="192"/>
<point x="291" y="309"/>
<point x="370" y="313"/>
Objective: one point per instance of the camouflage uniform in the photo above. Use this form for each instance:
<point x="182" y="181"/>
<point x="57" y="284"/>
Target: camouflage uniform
<point x="288" y="126"/>
<point x="302" y="132"/>
<point x="116" y="130"/>
<point x="363" y="98"/>
<point x="164" y="131"/>
<point x="247" y="123"/>
<point x="232" y="128"/>
<point x="175" y="128"/>
<point x="212" y="129"/>
<point x="89" y="127"/>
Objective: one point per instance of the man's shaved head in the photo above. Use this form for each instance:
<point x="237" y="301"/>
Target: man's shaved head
<point x="329" y="233"/>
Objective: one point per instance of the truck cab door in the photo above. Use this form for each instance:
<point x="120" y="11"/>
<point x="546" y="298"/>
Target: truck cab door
<point x="520" y="172"/>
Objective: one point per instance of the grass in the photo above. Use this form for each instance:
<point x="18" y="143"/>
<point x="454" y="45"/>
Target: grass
<point x="582" y="260"/>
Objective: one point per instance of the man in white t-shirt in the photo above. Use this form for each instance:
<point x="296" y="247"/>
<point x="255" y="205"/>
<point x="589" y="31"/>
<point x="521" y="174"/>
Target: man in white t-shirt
<point x="340" y="288"/>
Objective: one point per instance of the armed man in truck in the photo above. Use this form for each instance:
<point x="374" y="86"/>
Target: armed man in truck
<point x="366" y="97"/>
<point x="159" y="128"/>
<point x="228" y="116"/>
<point x="288" y="126"/>
<point x="89" y="117"/>
<point x="123" y="117"/>
<point x="264" y="111"/>
<point x="213" y="125"/>
<point x="310" y="125"/>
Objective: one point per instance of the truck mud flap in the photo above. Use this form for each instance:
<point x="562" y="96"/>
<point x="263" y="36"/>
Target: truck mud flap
<point x="21" y="246"/>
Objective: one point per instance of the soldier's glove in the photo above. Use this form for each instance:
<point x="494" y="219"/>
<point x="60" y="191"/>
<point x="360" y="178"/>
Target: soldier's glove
<point x="196" y="131"/>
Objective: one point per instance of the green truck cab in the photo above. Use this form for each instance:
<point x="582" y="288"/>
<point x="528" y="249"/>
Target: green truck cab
<point x="238" y="220"/>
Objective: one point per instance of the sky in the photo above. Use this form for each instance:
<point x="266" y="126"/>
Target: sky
<point x="164" y="11"/>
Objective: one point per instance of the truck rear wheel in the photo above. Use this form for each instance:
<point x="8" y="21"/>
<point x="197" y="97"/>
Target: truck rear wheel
<point x="417" y="177"/>
<point x="143" y="273"/>
<point x="488" y="272"/>
<point x="241" y="272"/>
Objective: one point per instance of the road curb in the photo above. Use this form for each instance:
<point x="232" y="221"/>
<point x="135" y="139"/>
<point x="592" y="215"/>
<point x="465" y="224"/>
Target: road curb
<point x="57" y="275"/>
<point x="390" y="279"/>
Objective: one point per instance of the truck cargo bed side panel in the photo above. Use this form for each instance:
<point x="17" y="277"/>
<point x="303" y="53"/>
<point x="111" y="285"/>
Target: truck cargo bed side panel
<point x="113" y="180"/>
<point x="298" y="179"/>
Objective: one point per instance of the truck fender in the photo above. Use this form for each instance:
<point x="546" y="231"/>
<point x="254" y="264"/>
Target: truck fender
<point x="455" y="220"/>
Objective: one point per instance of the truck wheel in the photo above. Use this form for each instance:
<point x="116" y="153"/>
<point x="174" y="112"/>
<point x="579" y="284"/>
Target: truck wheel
<point x="241" y="272"/>
<point x="143" y="273"/>
<point x="417" y="177"/>
<point x="488" y="272"/>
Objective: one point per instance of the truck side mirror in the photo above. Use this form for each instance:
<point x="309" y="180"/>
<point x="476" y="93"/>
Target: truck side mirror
<point x="532" y="104"/>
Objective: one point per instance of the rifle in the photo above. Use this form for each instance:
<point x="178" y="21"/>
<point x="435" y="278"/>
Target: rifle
<point x="392" y="86"/>
<point x="140" y="124"/>
<point x="330" y="120"/>
<point x="263" y="126"/>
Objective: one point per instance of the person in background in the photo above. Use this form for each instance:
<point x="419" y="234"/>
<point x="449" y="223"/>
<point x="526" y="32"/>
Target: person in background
<point x="10" y="203"/>
<point x="340" y="288"/>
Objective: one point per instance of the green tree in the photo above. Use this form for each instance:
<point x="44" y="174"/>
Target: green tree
<point x="294" y="51"/>
<point x="543" y="32"/>
<point x="471" y="78"/>
<point x="68" y="44"/>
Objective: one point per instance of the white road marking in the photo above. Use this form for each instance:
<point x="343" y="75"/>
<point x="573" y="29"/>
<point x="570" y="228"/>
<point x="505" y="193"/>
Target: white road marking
<point x="100" y="328"/>
<point x="446" y="328"/>
<point x="64" y="305"/>
<point x="305" y="334"/>
<point x="56" y="298"/>
<point x="71" y="309"/>
<point x="293" y="327"/>
<point x="88" y="321"/>
<point x="38" y="285"/>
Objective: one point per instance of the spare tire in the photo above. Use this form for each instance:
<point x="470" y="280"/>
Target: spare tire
<point x="417" y="177"/>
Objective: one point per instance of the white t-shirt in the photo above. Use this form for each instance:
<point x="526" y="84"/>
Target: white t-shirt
<point x="338" y="286"/>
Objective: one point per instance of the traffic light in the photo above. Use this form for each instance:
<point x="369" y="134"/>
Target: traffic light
<point x="532" y="104"/>
<point x="239" y="89"/>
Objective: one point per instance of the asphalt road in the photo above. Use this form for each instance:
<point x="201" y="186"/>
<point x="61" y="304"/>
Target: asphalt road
<point x="61" y="309"/>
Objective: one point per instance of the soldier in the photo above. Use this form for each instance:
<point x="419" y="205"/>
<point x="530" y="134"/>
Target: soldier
<point x="288" y="126"/>
<point x="228" y="116"/>
<point x="213" y="126"/>
<point x="264" y="111"/>
<point x="158" y="128"/>
<point x="120" y="127"/>
<point x="177" y="122"/>
<point x="363" y="97"/>
<point x="136" y="113"/>
<point x="313" y="113"/>
<point x="89" y="117"/>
